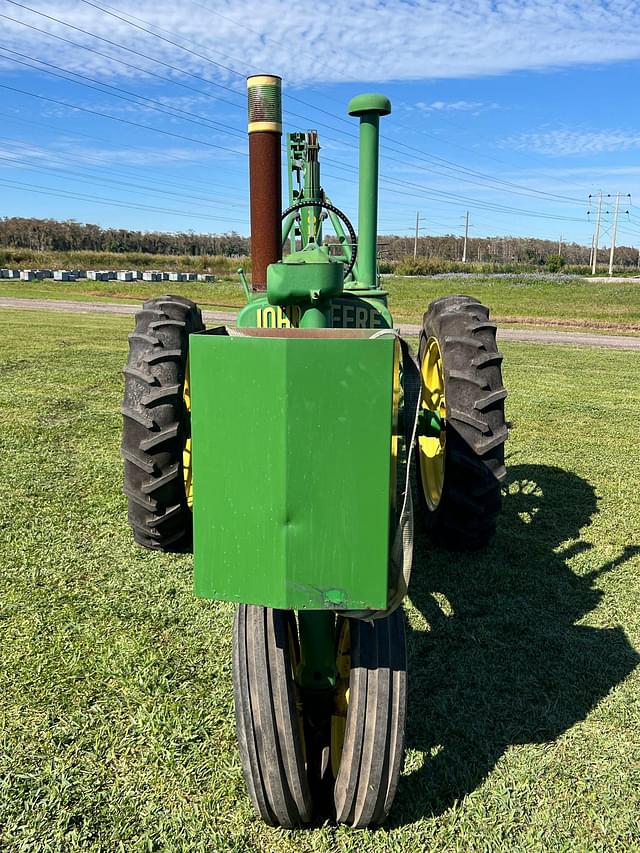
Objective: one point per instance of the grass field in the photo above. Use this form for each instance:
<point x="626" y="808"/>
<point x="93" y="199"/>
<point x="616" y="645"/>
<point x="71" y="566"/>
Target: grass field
<point x="517" y="301"/>
<point x="88" y="260"/>
<point x="116" y="721"/>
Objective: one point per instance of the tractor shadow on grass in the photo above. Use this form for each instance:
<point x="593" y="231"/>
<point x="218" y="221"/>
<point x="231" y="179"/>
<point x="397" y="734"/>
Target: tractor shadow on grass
<point x="502" y="661"/>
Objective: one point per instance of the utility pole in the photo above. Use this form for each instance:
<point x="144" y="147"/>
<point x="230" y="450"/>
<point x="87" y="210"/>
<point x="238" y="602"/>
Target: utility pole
<point x="613" y="234"/>
<point x="560" y="247"/>
<point x="415" y="242"/>
<point x="596" y="236"/>
<point x="466" y="235"/>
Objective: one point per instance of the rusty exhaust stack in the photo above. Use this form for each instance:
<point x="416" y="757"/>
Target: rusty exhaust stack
<point x="265" y="175"/>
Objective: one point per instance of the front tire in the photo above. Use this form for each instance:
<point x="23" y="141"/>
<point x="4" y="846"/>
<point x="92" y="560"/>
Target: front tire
<point x="268" y="714"/>
<point x="371" y="754"/>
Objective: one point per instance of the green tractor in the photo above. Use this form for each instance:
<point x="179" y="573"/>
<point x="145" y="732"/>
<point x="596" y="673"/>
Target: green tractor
<point x="280" y="453"/>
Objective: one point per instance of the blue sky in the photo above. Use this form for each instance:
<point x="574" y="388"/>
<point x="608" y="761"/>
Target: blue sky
<point x="515" y="111"/>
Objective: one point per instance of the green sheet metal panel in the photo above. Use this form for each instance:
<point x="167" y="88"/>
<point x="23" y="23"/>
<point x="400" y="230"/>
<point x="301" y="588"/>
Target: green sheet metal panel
<point x="291" y="468"/>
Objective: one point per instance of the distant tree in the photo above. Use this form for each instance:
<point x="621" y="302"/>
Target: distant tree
<point x="554" y="263"/>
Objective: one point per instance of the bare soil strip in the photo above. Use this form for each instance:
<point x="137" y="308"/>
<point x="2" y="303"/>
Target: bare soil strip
<point x="569" y="324"/>
<point x="524" y="335"/>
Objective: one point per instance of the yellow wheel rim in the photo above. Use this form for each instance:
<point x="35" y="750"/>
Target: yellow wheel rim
<point x="341" y="701"/>
<point x="186" y="452"/>
<point x="395" y="428"/>
<point x="432" y="448"/>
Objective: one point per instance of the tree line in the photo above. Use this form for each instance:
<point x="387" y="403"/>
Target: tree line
<point x="52" y="235"/>
<point x="501" y="250"/>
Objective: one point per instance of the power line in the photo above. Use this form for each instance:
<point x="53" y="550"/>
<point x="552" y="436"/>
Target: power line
<point x="77" y="133"/>
<point x="92" y="50"/>
<point x="50" y="191"/>
<point x="458" y="168"/>
<point x="396" y="125"/>
<point x="119" y="92"/>
<point x="135" y="52"/>
<point x="455" y="198"/>
<point x="163" y="38"/>
<point x="122" y="120"/>
<point x="203" y="56"/>
<point x="153" y="59"/>
<point x="483" y="153"/>
<point x="451" y="165"/>
<point x="161" y="108"/>
<point x="184" y="38"/>
<point x="472" y="202"/>
<point x="29" y="166"/>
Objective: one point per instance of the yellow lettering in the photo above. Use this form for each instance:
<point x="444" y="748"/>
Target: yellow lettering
<point x="362" y="317"/>
<point x="272" y="317"/>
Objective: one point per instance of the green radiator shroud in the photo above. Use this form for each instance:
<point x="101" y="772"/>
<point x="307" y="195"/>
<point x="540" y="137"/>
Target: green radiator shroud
<point x="292" y="435"/>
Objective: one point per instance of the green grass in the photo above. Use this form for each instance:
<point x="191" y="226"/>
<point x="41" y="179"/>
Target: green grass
<point x="577" y="300"/>
<point x="116" y="720"/>
<point x="83" y="260"/>
<point x="226" y="292"/>
<point x="577" y="303"/>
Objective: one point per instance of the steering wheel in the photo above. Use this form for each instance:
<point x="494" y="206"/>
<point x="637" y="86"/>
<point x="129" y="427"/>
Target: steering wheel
<point x="341" y="216"/>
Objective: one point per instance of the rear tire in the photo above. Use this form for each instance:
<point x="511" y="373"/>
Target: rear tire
<point x="470" y="500"/>
<point x="157" y="423"/>
<point x="269" y="716"/>
<point x="373" y="748"/>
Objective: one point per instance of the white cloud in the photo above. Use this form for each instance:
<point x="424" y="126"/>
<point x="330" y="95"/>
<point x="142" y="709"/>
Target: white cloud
<point x="359" y="40"/>
<point x="474" y="107"/>
<point x="74" y="155"/>
<point x="598" y="172"/>
<point x="562" y="142"/>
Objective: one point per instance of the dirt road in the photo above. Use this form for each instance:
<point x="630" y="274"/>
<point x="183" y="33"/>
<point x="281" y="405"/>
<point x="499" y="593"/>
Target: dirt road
<point x="584" y="339"/>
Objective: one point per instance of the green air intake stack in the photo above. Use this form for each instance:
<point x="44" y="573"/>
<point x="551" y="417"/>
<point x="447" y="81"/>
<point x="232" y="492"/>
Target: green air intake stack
<point x="369" y="108"/>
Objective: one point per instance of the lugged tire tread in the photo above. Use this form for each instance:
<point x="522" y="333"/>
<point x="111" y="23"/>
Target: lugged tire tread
<point x="164" y="355"/>
<point x="141" y="337"/>
<point x="489" y="399"/>
<point x="463" y="417"/>
<point x="467" y="376"/>
<point x="160" y="395"/>
<point x="487" y="358"/>
<point x="476" y="428"/>
<point x="157" y="483"/>
<point x="141" y="418"/>
<point x="130" y="456"/>
<point x="156" y="423"/>
<point x="167" y="515"/>
<point x="161" y="324"/>
<point x="140" y="375"/>
<point x="158" y="438"/>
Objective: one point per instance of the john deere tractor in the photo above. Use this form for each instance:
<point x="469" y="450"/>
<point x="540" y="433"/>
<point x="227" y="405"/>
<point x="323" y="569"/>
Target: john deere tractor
<point x="280" y="453"/>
